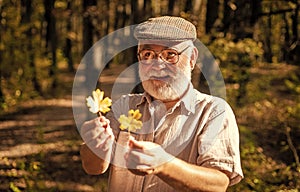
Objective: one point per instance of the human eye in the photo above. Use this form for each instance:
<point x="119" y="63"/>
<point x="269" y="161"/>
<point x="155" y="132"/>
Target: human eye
<point x="169" y="54"/>
<point x="147" y="54"/>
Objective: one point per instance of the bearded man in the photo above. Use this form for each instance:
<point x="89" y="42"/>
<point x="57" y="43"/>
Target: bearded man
<point x="189" y="140"/>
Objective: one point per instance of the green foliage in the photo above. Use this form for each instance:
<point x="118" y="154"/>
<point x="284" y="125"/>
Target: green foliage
<point x="236" y="58"/>
<point x="242" y="53"/>
<point x="268" y="175"/>
<point x="269" y="130"/>
<point x="13" y="187"/>
<point x="29" y="169"/>
<point x="293" y="83"/>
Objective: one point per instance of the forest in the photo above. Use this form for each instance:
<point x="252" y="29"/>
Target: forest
<point x="256" y="44"/>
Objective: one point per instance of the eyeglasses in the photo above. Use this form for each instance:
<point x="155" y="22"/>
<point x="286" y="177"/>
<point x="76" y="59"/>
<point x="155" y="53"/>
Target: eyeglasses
<point x="168" y="55"/>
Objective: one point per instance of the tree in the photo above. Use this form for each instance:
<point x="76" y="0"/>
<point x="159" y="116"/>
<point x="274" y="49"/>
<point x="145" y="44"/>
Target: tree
<point x="89" y="7"/>
<point x="51" y="38"/>
<point x="171" y="7"/>
<point x="2" y="98"/>
<point x="88" y="28"/>
<point x="211" y="14"/>
<point x="68" y="44"/>
<point x="295" y="46"/>
<point x="26" y="13"/>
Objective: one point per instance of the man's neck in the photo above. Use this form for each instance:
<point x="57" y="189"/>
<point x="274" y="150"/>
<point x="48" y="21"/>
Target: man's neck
<point x="170" y="104"/>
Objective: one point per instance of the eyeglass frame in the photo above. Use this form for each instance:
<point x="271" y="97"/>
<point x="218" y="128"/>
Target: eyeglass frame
<point x="158" y="55"/>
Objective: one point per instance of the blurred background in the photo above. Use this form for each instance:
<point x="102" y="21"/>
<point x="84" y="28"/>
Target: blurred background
<point x="255" y="43"/>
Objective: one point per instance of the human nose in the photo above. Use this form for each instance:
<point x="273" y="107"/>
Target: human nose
<point x="158" y="64"/>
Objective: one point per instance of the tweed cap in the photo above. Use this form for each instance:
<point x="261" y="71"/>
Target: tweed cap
<point x="166" y="28"/>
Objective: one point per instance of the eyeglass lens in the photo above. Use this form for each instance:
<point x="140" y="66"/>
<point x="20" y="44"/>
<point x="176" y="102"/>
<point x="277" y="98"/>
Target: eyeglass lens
<point x="167" y="55"/>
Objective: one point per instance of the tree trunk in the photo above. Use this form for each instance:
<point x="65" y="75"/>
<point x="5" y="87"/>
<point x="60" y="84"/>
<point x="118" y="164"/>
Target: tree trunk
<point x="171" y="7"/>
<point x="88" y="31"/>
<point x="147" y="8"/>
<point x="211" y="14"/>
<point x="295" y="47"/>
<point x="227" y="17"/>
<point x="68" y="45"/>
<point x="88" y="27"/>
<point x="51" y="39"/>
<point x="48" y="4"/>
<point x="188" y="6"/>
<point x="2" y="98"/>
<point x="53" y="68"/>
<point x="294" y="18"/>
<point x="287" y="39"/>
<point x="26" y="12"/>
<point x="256" y="10"/>
<point x="135" y="19"/>
<point x="268" y="47"/>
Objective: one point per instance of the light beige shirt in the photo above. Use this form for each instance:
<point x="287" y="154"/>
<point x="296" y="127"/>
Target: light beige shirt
<point x="200" y="129"/>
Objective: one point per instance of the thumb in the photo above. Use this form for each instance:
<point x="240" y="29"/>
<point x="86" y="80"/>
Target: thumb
<point x="135" y="144"/>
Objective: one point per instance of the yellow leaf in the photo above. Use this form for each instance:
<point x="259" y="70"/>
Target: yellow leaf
<point x="97" y="104"/>
<point x="131" y="122"/>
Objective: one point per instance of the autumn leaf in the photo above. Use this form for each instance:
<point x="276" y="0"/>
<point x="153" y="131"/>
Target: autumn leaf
<point x="97" y="103"/>
<point x="131" y="122"/>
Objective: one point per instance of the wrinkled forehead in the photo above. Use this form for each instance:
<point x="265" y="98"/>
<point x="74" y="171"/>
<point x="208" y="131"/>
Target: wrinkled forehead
<point x="169" y="44"/>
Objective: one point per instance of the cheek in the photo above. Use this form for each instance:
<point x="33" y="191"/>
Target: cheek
<point x="144" y="68"/>
<point x="184" y="65"/>
<point x="143" y="71"/>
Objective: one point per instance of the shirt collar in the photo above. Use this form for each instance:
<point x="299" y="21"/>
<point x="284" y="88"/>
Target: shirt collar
<point x="188" y="99"/>
<point x="145" y="98"/>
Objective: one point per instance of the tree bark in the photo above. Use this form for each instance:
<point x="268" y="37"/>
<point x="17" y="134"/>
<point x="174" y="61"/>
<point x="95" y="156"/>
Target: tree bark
<point x="88" y="27"/>
<point x="88" y="33"/>
<point x="188" y="6"/>
<point x="135" y="19"/>
<point x="68" y="44"/>
<point x="211" y="14"/>
<point x="268" y="47"/>
<point x="256" y="10"/>
<point x="295" y="47"/>
<point x="48" y="5"/>
<point x="227" y="17"/>
<point x="26" y="12"/>
<point x="287" y="40"/>
<point x="171" y="7"/>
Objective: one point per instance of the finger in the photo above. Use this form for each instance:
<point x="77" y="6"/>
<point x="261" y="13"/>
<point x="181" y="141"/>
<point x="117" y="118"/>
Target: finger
<point x="97" y="143"/>
<point x="138" y="168"/>
<point x="104" y="121"/>
<point x="109" y="131"/>
<point x="135" y="144"/>
<point x="92" y="133"/>
<point x="140" y="158"/>
<point x="108" y="143"/>
<point x="101" y="118"/>
<point x="145" y="169"/>
<point x="130" y="163"/>
<point x="86" y="126"/>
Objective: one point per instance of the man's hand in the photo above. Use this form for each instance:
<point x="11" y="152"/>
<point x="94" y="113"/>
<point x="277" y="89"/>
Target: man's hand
<point x="145" y="157"/>
<point x="98" y="136"/>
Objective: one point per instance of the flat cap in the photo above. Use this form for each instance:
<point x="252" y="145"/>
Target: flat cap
<point x="166" y="28"/>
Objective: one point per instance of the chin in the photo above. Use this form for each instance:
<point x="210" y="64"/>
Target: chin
<point x="161" y="90"/>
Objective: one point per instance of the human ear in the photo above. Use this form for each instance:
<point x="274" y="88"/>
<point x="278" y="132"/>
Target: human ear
<point x="194" y="57"/>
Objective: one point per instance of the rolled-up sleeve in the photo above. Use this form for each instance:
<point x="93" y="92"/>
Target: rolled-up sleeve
<point x="218" y="144"/>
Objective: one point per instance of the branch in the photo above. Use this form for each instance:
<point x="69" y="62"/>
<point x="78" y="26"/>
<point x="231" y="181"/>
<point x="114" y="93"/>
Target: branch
<point x="292" y="146"/>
